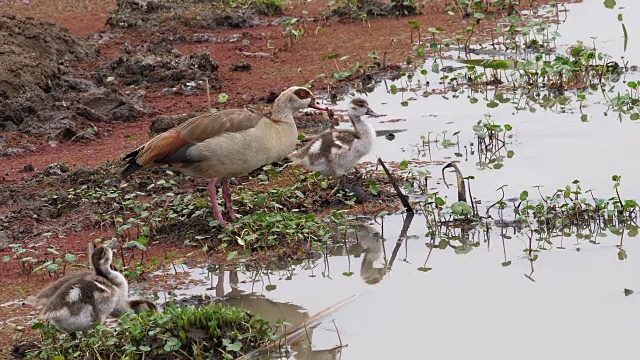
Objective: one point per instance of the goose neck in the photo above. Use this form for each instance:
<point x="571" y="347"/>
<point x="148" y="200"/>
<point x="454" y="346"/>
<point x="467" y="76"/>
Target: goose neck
<point x="282" y="112"/>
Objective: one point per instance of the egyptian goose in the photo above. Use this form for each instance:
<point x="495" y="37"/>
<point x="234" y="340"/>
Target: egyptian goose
<point x="83" y="300"/>
<point x="99" y="264"/>
<point x="226" y="144"/>
<point x="334" y="152"/>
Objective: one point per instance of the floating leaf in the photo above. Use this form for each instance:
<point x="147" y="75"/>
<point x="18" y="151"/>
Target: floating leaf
<point x="424" y="269"/>
<point x="461" y="208"/>
<point x="270" y="287"/>
<point x="622" y="254"/>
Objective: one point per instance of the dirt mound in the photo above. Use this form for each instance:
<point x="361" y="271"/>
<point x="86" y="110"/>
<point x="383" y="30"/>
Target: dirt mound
<point x="191" y="13"/>
<point x="362" y="9"/>
<point x="159" y="62"/>
<point x="33" y="53"/>
<point x="39" y="94"/>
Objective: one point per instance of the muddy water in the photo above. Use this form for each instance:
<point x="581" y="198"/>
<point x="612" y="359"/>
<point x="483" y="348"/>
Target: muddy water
<point x="485" y="299"/>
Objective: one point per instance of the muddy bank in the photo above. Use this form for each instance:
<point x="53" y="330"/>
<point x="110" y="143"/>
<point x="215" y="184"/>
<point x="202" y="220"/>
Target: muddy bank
<point x="191" y="13"/>
<point x="41" y="94"/>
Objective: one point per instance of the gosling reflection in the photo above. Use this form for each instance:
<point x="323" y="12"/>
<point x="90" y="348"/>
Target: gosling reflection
<point x="300" y="345"/>
<point x="368" y="243"/>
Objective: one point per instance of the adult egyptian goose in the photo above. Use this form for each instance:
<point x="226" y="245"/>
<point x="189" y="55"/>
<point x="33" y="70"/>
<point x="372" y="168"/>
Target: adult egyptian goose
<point x="334" y="152"/>
<point x="226" y="144"/>
<point x="83" y="300"/>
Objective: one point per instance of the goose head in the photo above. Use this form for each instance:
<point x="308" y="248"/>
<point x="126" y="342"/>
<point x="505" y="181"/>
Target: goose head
<point x="101" y="258"/>
<point x="360" y="107"/>
<point x="140" y="305"/>
<point x="297" y="98"/>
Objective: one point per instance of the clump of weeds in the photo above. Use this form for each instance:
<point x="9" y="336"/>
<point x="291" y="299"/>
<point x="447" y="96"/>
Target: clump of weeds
<point x="207" y="332"/>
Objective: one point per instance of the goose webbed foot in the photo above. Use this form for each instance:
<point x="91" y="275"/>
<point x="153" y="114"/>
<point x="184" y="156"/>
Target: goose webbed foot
<point x="351" y="184"/>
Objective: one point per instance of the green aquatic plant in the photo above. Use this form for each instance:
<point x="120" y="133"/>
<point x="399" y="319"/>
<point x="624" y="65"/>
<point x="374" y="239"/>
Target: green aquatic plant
<point x="207" y="332"/>
<point x="491" y="141"/>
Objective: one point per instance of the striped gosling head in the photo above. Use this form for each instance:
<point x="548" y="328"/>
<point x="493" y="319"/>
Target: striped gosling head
<point x="360" y="107"/>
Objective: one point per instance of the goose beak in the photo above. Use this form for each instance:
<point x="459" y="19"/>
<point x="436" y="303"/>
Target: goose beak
<point x="315" y="105"/>
<point x="370" y="112"/>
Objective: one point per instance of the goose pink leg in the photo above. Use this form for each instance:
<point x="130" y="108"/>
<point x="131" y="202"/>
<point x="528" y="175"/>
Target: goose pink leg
<point x="226" y="195"/>
<point x="217" y="213"/>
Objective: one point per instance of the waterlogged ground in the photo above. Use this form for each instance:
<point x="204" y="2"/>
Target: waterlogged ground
<point x="479" y="292"/>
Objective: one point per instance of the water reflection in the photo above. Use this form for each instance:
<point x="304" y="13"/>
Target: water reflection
<point x="274" y="312"/>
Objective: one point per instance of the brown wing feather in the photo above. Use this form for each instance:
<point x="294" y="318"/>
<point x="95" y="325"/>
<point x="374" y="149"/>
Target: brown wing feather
<point x="160" y="147"/>
<point x="206" y="126"/>
<point x="195" y="130"/>
<point x="346" y="136"/>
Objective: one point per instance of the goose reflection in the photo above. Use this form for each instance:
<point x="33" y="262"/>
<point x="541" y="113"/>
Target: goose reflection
<point x="368" y="243"/>
<point x="273" y="311"/>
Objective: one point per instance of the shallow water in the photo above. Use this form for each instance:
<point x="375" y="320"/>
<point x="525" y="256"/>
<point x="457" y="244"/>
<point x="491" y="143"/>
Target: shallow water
<point x="487" y="299"/>
<point x="572" y="305"/>
<point x="552" y="148"/>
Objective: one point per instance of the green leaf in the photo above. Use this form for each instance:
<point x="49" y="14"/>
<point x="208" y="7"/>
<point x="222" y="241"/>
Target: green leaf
<point x="524" y="195"/>
<point x="270" y="287"/>
<point x="492" y="104"/>
<point x="609" y="4"/>
<point x="424" y="269"/>
<point x="622" y="254"/>
<point x="236" y="346"/>
<point x="461" y="208"/>
<point x="53" y="267"/>
<point x="373" y="187"/>
<point x="506" y="263"/>
<point x="223" y="97"/>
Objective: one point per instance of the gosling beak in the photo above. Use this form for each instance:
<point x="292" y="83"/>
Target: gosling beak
<point x="371" y="112"/>
<point x="111" y="244"/>
<point x="315" y="105"/>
